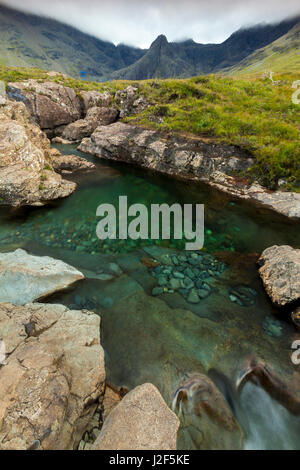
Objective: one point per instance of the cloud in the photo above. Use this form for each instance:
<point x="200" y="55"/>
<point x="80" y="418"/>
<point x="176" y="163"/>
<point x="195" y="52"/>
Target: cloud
<point x="139" y="22"/>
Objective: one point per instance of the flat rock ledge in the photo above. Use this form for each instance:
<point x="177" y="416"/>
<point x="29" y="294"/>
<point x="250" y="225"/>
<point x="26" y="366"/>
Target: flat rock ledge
<point x="26" y="278"/>
<point x="141" y="421"/>
<point x="52" y="378"/>
<point x="280" y="273"/>
<point x="187" y="158"/>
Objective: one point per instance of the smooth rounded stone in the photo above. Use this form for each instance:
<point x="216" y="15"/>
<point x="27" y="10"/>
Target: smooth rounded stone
<point x="162" y="280"/>
<point x="167" y="271"/>
<point x="194" y="256"/>
<point x="157" y="291"/>
<point x="141" y="421"/>
<point x="175" y="260"/>
<point x="182" y="258"/>
<point x="203" y="293"/>
<point x="178" y="275"/>
<point x="175" y="283"/>
<point x="158" y="269"/>
<point x="199" y="284"/>
<point x="189" y="273"/>
<point x="188" y="283"/>
<point x="193" y="261"/>
<point x="193" y="297"/>
<point x="183" y="292"/>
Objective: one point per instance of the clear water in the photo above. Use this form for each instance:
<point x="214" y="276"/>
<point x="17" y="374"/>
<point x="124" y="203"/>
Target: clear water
<point x="158" y="339"/>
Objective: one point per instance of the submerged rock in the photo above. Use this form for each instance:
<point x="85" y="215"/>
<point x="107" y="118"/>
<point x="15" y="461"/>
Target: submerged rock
<point x="280" y="273"/>
<point x="25" y="278"/>
<point x="206" y="419"/>
<point x="53" y="378"/>
<point x="141" y="421"/>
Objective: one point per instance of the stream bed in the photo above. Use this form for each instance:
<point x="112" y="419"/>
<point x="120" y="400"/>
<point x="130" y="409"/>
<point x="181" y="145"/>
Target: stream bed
<point x="159" y="338"/>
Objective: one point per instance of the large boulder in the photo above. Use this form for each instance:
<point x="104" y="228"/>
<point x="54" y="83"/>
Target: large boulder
<point x="95" y="98"/>
<point x="96" y="116"/>
<point x="53" y="377"/>
<point x="280" y="273"/>
<point x="49" y="103"/>
<point x="26" y="176"/>
<point x="141" y="421"/>
<point x="25" y="278"/>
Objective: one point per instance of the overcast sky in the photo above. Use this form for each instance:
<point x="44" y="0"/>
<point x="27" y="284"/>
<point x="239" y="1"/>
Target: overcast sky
<point x="139" y="22"/>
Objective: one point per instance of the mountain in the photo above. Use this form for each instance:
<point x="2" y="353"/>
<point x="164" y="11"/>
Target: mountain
<point x="281" y="55"/>
<point x="188" y="58"/>
<point x="32" y="41"/>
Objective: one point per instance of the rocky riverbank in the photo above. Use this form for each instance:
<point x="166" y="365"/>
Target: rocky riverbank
<point x="91" y="119"/>
<point x="215" y="164"/>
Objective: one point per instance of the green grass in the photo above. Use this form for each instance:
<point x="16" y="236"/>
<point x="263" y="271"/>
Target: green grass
<point x="250" y="112"/>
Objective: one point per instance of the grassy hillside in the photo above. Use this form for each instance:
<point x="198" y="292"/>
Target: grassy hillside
<point x="279" y="56"/>
<point x="251" y="113"/>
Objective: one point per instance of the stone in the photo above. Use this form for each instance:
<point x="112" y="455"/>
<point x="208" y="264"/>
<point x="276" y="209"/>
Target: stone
<point x="26" y="278"/>
<point x="53" y="379"/>
<point x="157" y="291"/>
<point x="203" y="293"/>
<point x="175" y="284"/>
<point x="61" y="163"/>
<point x="280" y="273"/>
<point x="141" y="421"/>
<point x="95" y="98"/>
<point x="26" y="173"/>
<point x="193" y="297"/>
<point x="110" y="401"/>
<point x="50" y="104"/>
<point x="95" y="117"/>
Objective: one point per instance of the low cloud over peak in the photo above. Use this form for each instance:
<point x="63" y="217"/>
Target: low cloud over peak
<point x="139" y="22"/>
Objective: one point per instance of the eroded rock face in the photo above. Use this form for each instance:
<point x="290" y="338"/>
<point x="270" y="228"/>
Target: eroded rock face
<point x="187" y="158"/>
<point x="141" y="421"/>
<point x="25" y="278"/>
<point x="53" y="377"/>
<point x="26" y="176"/>
<point x="49" y="103"/>
<point x="280" y="273"/>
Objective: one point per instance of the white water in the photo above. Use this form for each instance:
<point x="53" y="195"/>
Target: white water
<point x="268" y="425"/>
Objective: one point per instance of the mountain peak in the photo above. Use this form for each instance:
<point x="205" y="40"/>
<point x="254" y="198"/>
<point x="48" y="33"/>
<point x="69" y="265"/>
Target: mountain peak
<point x="161" y="40"/>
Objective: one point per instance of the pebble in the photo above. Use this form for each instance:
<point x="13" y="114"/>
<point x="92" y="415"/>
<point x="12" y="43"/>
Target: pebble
<point x="178" y="275"/>
<point x="193" y="297"/>
<point x="157" y="291"/>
